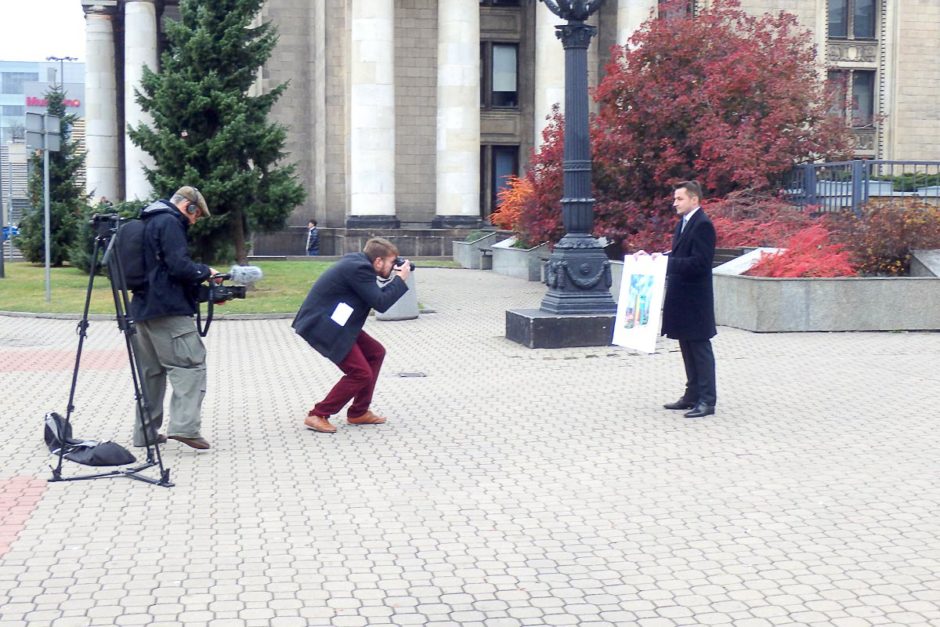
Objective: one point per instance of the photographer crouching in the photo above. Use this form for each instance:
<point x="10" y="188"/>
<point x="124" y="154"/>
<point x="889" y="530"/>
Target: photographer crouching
<point x="331" y="320"/>
<point x="167" y="343"/>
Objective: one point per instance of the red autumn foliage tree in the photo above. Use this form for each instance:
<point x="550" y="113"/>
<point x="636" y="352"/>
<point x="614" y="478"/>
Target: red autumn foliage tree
<point x="729" y="99"/>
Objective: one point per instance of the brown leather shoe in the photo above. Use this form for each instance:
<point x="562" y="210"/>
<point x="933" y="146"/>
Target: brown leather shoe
<point x="319" y="423"/>
<point x="198" y="442"/>
<point x="367" y="418"/>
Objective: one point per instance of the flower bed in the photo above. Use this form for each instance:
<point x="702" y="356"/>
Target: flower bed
<point x="824" y="304"/>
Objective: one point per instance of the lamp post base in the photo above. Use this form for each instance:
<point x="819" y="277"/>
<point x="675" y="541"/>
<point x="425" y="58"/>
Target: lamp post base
<point x="535" y="328"/>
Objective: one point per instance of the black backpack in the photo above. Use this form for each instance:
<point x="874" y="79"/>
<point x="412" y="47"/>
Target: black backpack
<point x="129" y="247"/>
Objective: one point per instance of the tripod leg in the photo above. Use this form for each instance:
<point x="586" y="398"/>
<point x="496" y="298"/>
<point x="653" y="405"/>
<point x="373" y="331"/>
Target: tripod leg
<point x="82" y="334"/>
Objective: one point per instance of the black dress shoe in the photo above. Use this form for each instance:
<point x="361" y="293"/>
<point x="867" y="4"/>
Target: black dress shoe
<point x="700" y="411"/>
<point x="680" y="404"/>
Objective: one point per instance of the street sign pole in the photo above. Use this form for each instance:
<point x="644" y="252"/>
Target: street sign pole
<point x="47" y="215"/>
<point x="42" y="133"/>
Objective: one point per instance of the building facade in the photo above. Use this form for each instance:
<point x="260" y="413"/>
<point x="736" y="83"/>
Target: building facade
<point x="411" y="113"/>
<point x="23" y="89"/>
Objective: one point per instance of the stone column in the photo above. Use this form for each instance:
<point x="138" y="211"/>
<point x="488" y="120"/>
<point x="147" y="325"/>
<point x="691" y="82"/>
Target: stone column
<point x="458" y="114"/>
<point x="549" y="69"/>
<point x="140" y="49"/>
<point x="630" y="14"/>
<point x="372" y="116"/>
<point x="101" y="127"/>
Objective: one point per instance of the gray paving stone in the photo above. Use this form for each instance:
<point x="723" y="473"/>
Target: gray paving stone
<point x="510" y="486"/>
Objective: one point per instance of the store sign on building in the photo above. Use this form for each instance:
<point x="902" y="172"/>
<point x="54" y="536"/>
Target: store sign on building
<point x="35" y="95"/>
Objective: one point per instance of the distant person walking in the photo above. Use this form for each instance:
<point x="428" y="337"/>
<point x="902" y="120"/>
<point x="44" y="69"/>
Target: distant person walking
<point x="313" y="239"/>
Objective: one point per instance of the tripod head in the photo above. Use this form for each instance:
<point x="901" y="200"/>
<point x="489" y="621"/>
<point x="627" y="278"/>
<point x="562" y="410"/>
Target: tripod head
<point x="105" y="225"/>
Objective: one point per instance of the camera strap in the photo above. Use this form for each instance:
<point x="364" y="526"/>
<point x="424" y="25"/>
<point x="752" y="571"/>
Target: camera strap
<point x="204" y="330"/>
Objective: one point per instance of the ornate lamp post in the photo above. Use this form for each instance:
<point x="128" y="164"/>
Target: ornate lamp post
<point x="578" y="272"/>
<point x="578" y="309"/>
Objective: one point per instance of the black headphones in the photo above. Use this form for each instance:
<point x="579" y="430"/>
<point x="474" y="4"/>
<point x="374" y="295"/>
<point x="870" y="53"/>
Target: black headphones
<point x="193" y="206"/>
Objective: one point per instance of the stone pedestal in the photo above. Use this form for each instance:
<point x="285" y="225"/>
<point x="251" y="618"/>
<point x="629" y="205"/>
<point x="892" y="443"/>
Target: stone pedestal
<point x="534" y="328"/>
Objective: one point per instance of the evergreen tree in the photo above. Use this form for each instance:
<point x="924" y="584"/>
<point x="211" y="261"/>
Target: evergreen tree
<point x="66" y="196"/>
<point x="209" y="132"/>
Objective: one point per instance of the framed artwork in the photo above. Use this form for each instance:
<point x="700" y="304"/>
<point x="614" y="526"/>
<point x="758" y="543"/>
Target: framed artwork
<point x="640" y="308"/>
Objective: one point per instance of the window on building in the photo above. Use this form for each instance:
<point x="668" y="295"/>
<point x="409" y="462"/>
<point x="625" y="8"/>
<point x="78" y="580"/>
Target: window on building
<point x="12" y="82"/>
<point x="853" y="96"/>
<point x="499" y="69"/>
<point x="497" y="165"/>
<point x="13" y="111"/>
<point x="673" y="8"/>
<point x="852" y="19"/>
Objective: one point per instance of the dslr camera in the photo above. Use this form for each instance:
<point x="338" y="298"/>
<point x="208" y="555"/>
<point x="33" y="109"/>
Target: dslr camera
<point x="399" y="262"/>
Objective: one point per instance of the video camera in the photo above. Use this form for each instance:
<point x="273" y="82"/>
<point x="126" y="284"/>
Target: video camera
<point x="217" y="292"/>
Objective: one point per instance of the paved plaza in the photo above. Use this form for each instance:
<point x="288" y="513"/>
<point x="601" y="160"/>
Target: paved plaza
<point x="510" y="486"/>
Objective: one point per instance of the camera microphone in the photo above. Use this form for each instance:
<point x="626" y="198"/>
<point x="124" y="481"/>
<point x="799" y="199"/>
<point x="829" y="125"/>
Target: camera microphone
<point x="245" y="275"/>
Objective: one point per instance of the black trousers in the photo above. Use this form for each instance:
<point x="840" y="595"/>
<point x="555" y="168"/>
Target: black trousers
<point x="699" y="363"/>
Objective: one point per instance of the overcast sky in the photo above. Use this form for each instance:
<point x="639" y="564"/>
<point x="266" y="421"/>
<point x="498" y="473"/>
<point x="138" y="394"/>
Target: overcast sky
<point x="31" y="30"/>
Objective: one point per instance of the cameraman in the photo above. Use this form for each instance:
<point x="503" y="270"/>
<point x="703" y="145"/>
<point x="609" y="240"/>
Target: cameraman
<point x="167" y="343"/>
<point x="331" y="320"/>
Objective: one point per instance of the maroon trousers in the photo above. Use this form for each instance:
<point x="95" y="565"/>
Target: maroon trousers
<point x="360" y="372"/>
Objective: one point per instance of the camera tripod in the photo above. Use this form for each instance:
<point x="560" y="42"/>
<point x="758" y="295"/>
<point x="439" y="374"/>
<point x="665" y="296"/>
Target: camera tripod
<point x="106" y="228"/>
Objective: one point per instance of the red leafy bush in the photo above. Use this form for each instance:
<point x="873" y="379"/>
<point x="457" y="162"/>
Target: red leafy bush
<point x="745" y="219"/>
<point x="881" y="241"/>
<point x="809" y="254"/>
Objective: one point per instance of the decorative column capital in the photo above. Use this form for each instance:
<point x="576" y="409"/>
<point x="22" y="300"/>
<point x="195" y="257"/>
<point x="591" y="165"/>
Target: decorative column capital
<point x="575" y="34"/>
<point x="100" y="7"/>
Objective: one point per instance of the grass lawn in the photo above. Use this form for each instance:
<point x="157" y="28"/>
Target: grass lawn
<point x="283" y="289"/>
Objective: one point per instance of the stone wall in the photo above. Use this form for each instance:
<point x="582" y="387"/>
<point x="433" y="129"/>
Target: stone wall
<point x="915" y="115"/>
<point x="411" y="242"/>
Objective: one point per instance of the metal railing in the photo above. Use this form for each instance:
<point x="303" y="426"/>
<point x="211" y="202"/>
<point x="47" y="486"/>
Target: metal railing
<point x="848" y="185"/>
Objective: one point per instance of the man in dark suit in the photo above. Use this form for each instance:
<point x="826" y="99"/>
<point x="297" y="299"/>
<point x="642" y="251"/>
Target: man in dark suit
<point x="689" y="306"/>
<point x="331" y="320"/>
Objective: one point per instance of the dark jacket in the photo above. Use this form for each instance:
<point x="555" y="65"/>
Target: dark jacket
<point x="689" y="307"/>
<point x="172" y="277"/>
<point x="351" y="280"/>
<point x="313" y="239"/>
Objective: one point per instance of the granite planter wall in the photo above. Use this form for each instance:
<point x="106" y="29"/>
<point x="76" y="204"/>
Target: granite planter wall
<point x="522" y="263"/>
<point x="837" y="304"/>
<point x="468" y="254"/>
